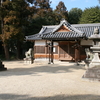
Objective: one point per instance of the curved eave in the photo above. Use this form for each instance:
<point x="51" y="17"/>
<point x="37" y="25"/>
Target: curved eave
<point x="33" y="37"/>
<point x="63" y="36"/>
<point x="62" y="39"/>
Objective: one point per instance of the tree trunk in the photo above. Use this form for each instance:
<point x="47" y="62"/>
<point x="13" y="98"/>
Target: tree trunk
<point x="6" y="50"/>
<point x="19" y="50"/>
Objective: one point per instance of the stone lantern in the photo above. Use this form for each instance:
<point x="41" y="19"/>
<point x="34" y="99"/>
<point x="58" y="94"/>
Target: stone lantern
<point x="93" y="71"/>
<point x="96" y="48"/>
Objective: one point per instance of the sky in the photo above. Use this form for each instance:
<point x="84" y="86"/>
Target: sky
<point x="76" y="3"/>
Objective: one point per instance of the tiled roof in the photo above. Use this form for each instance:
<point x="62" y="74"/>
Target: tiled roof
<point x="77" y="31"/>
<point x="50" y="32"/>
<point x="33" y="37"/>
<point x="88" y="29"/>
<point x="62" y="36"/>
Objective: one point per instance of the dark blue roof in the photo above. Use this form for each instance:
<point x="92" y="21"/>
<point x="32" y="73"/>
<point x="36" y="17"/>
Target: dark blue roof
<point x="88" y="29"/>
<point x="77" y="31"/>
<point x="62" y="36"/>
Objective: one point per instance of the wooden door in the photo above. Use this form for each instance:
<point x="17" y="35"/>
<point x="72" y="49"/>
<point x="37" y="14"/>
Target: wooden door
<point x="66" y="51"/>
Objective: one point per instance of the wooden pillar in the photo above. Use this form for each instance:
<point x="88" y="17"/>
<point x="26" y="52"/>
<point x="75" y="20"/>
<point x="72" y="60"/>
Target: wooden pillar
<point x="46" y="48"/>
<point x="49" y="54"/>
<point x="32" y="58"/>
<point x="77" y="52"/>
<point x="52" y="51"/>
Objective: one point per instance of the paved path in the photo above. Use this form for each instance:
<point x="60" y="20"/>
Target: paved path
<point x="40" y="81"/>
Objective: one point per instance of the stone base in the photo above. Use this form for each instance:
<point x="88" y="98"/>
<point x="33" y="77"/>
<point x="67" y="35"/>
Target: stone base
<point x="95" y="61"/>
<point x="2" y="68"/>
<point x="92" y="74"/>
<point x="28" y="60"/>
<point x="93" y="64"/>
<point x="87" y="62"/>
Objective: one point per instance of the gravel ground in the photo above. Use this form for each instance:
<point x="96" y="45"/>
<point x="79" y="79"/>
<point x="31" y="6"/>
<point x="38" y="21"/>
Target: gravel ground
<point x="40" y="81"/>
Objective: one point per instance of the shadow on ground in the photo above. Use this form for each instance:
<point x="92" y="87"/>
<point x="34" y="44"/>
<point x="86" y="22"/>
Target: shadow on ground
<point x="56" y="97"/>
<point x="36" y="69"/>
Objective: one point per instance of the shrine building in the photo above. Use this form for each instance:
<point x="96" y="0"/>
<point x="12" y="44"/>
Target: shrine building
<point x="63" y="41"/>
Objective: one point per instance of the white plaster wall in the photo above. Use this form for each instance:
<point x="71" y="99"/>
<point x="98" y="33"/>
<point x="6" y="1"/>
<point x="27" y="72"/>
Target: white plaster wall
<point x="42" y="43"/>
<point x="86" y="42"/>
<point x="55" y="43"/>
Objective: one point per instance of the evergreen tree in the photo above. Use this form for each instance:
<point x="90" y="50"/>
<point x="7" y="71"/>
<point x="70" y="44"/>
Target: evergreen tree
<point x="15" y="15"/>
<point x="42" y="8"/>
<point x="74" y="15"/>
<point x="43" y="4"/>
<point x="3" y="35"/>
<point x="61" y="11"/>
<point x="91" y="15"/>
<point x="42" y="16"/>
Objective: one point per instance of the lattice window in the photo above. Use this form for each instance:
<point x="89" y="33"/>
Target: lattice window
<point x="39" y="49"/>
